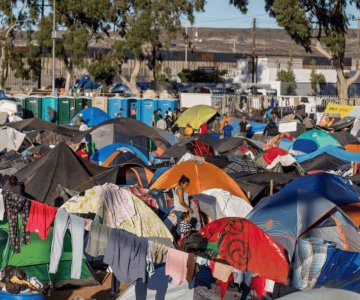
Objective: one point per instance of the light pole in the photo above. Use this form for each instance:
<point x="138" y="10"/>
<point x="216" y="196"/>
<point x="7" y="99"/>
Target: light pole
<point x="53" y="35"/>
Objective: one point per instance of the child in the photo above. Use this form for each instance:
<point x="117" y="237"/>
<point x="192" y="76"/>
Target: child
<point x="185" y="225"/>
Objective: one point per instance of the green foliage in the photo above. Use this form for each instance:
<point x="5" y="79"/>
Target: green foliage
<point x="287" y="75"/>
<point x="199" y="75"/>
<point x="315" y="78"/>
<point x="103" y="70"/>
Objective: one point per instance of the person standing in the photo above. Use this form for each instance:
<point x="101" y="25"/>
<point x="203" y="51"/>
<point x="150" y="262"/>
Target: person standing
<point x="83" y="126"/>
<point x="244" y="126"/>
<point x="169" y="112"/>
<point x="181" y="199"/>
<point x="161" y="123"/>
<point x="216" y="126"/>
<point x="271" y="129"/>
<point x="204" y="127"/>
<point x="227" y="130"/>
<point x="82" y="152"/>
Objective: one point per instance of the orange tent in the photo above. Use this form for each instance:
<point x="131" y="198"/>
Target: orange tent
<point x="353" y="148"/>
<point x="202" y="175"/>
<point x="353" y="211"/>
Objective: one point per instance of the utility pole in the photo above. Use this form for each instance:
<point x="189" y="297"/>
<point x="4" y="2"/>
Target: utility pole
<point x="358" y="44"/>
<point x="41" y="46"/>
<point x="253" y="50"/>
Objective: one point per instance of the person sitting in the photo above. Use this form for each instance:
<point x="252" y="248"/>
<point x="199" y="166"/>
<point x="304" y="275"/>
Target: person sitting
<point x="82" y="152"/>
<point x="189" y="131"/>
<point x="185" y="225"/>
<point x="161" y="123"/>
<point x="204" y="127"/>
<point x="227" y="129"/>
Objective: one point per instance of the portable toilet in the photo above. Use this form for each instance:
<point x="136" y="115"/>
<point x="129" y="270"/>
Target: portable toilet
<point x="82" y="103"/>
<point x="66" y="109"/>
<point x="50" y="109"/>
<point x="100" y="102"/>
<point x="114" y="106"/>
<point x="134" y="108"/>
<point x="33" y="107"/>
<point x="148" y="106"/>
<point x="20" y="99"/>
<point x="165" y="104"/>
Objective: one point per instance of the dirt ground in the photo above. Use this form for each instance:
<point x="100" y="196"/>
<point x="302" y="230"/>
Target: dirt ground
<point x="98" y="292"/>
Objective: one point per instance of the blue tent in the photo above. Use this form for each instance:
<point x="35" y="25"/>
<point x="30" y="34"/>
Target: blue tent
<point x="337" y="189"/>
<point x="332" y="150"/>
<point x="100" y="156"/>
<point x="341" y="271"/>
<point x="92" y="116"/>
<point x="305" y="146"/>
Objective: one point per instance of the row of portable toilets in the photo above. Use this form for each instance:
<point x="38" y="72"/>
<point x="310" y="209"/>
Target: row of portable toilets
<point x="61" y="110"/>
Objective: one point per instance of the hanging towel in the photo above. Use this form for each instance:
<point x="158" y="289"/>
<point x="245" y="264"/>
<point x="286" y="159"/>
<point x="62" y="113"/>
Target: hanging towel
<point x="2" y="206"/>
<point x="222" y="272"/>
<point x="176" y="265"/>
<point x="98" y="239"/>
<point x="40" y="218"/>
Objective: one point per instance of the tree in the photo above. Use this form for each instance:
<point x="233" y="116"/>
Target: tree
<point x="80" y="21"/>
<point x="16" y="15"/>
<point x="287" y="75"/>
<point x="315" y="78"/>
<point x="202" y="76"/>
<point x="316" y="25"/>
<point x="143" y="29"/>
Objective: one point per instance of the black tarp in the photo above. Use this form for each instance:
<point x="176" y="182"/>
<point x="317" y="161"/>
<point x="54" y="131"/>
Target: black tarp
<point x="61" y="166"/>
<point x="345" y="138"/>
<point x="324" y="162"/>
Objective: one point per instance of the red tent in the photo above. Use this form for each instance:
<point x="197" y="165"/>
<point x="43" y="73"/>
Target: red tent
<point x="246" y="247"/>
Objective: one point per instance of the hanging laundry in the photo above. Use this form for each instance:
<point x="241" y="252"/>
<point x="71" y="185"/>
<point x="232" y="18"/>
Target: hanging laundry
<point x="98" y="239"/>
<point x="176" y="265"/>
<point x="191" y="268"/>
<point x="40" y="218"/>
<point x="149" y="262"/>
<point x="222" y="272"/>
<point x="76" y="225"/>
<point x="16" y="205"/>
<point x="126" y="254"/>
<point x="158" y="253"/>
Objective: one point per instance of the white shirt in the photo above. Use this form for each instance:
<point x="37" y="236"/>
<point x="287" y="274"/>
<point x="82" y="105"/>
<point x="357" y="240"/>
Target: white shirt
<point x="177" y="205"/>
<point x="161" y="124"/>
<point x="83" y="127"/>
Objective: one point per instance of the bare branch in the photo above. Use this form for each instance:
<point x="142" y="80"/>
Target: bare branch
<point x="353" y="78"/>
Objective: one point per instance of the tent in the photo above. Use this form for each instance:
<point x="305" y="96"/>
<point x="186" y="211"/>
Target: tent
<point x="352" y="148"/>
<point x="61" y="166"/>
<point x="320" y="137"/>
<point x="203" y="176"/>
<point x="324" y="162"/>
<point x="168" y="136"/>
<point x="133" y="173"/>
<point x="102" y="155"/>
<point x="345" y="138"/>
<point x="92" y="116"/>
<point x="273" y="153"/>
<point x="10" y="139"/>
<point x="246" y="247"/>
<point x="34" y="259"/>
<point x="294" y="213"/>
<point x="196" y="115"/>
<point x="305" y="145"/>
<point x="124" y="130"/>
<point x="333" y="151"/>
<point x="321" y="294"/>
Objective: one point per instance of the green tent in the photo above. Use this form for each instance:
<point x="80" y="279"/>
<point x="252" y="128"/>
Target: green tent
<point x="34" y="259"/>
<point x="196" y="115"/>
<point x="320" y="137"/>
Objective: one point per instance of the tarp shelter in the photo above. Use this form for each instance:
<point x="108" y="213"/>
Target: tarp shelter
<point x="196" y="115"/>
<point x="288" y="215"/>
<point x="320" y="137"/>
<point x="62" y="166"/>
<point x="324" y="162"/>
<point x="273" y="153"/>
<point x="101" y="155"/>
<point x="10" y="139"/>
<point x="203" y="176"/>
<point x="345" y="138"/>
<point x="34" y="259"/>
<point x="333" y="151"/>
<point x="92" y="116"/>
<point x="124" y="130"/>
<point x="246" y="247"/>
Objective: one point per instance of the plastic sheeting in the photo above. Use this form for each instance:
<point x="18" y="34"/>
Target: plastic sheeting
<point x="332" y="150"/>
<point x="10" y="139"/>
<point x="92" y="116"/>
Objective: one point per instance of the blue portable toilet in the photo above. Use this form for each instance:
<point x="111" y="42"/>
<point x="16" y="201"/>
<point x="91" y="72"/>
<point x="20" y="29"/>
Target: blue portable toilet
<point x="165" y="104"/>
<point x="50" y="109"/>
<point x="134" y="108"/>
<point x="148" y="106"/>
<point x="114" y="106"/>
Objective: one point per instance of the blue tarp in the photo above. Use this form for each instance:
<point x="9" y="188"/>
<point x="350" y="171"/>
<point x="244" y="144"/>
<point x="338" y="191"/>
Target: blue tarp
<point x="100" y="156"/>
<point x="256" y="127"/>
<point x="332" y="150"/>
<point x="341" y="271"/>
<point x="92" y="116"/>
<point x="337" y="189"/>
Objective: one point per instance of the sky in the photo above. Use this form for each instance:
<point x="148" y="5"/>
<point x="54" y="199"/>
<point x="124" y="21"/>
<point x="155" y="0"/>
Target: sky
<point x="218" y="13"/>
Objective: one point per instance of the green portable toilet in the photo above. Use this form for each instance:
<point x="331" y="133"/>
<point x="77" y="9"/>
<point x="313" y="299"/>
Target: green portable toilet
<point x="33" y="107"/>
<point x="50" y="109"/>
<point x="82" y="103"/>
<point x="66" y="109"/>
<point x="20" y="98"/>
